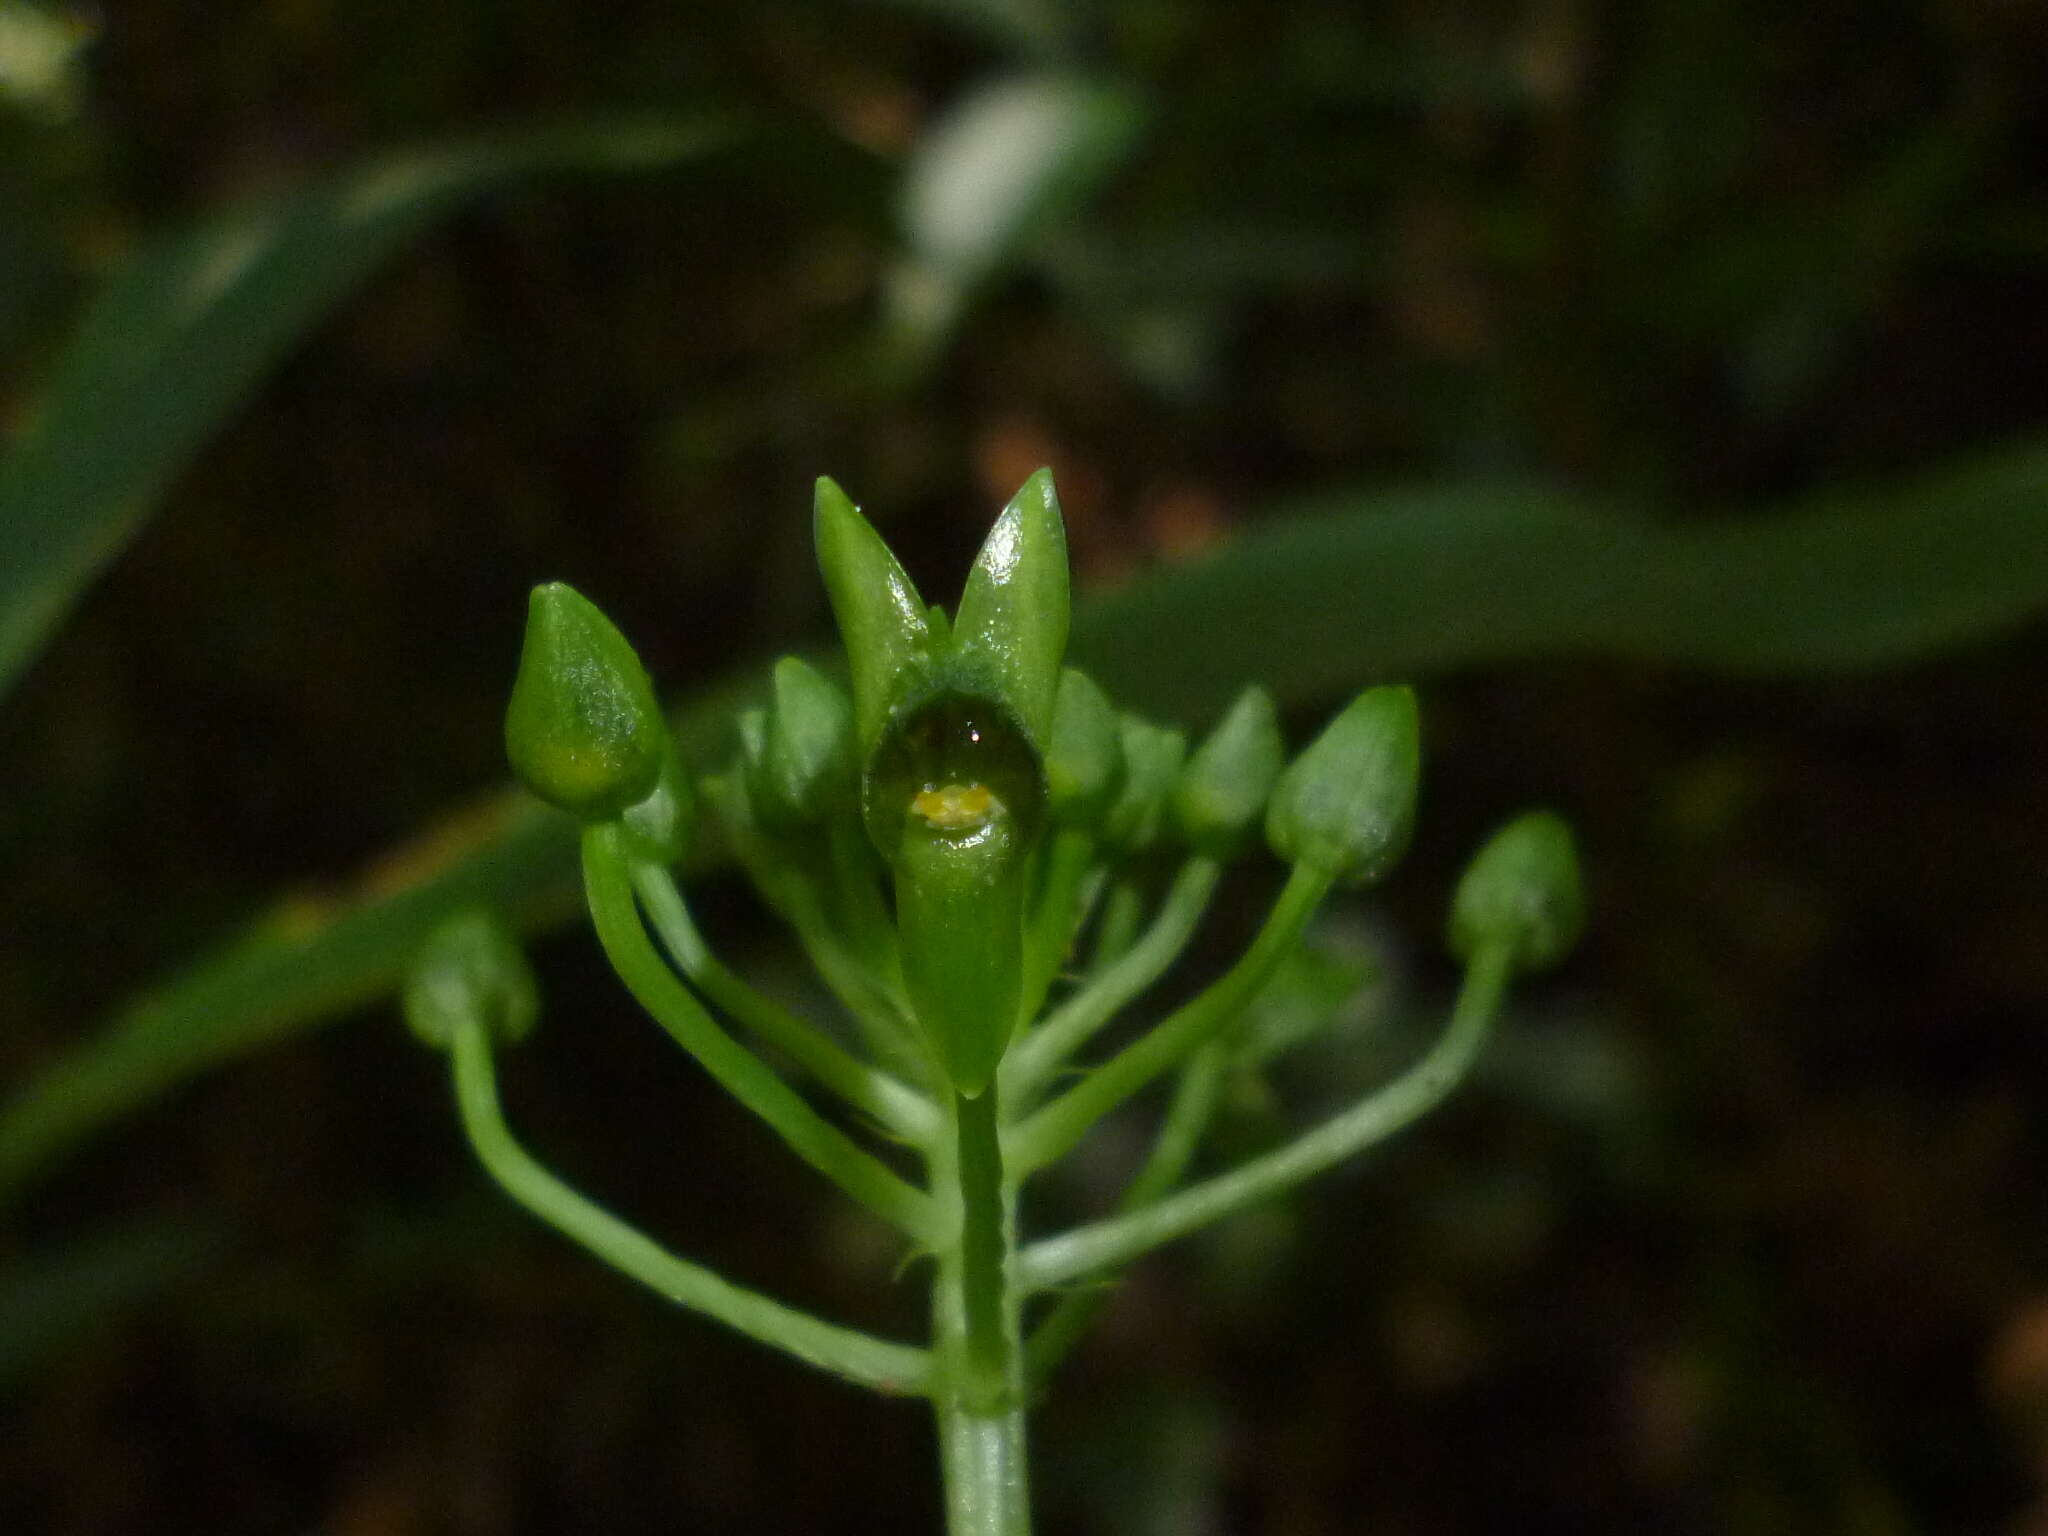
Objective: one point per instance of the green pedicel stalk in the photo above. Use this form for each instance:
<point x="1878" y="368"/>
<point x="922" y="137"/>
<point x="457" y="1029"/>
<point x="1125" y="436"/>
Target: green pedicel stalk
<point x="741" y="1073"/>
<point x="891" y="1368"/>
<point x="901" y="1110"/>
<point x="1106" y="993"/>
<point x="1009" y="808"/>
<point x="1051" y="1132"/>
<point x="1121" y="1239"/>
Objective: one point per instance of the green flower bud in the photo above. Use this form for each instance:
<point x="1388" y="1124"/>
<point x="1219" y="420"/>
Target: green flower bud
<point x="805" y="770"/>
<point x="1522" y="890"/>
<point x="583" y="730"/>
<point x="1152" y="758"/>
<point x="889" y="640"/>
<point x="1084" y="761"/>
<point x="1347" y="804"/>
<point x="951" y="721"/>
<point x="659" y="827"/>
<point x="470" y="968"/>
<point x="1011" y="631"/>
<point x="1222" y="790"/>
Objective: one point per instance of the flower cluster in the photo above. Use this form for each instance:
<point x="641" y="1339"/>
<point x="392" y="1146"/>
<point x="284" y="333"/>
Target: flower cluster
<point x="959" y="836"/>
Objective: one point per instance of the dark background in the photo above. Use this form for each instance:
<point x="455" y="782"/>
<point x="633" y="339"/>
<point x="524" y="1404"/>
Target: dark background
<point x="1741" y="1228"/>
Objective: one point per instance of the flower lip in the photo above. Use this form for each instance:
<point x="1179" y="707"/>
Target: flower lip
<point x="956" y="807"/>
<point x="958" y="740"/>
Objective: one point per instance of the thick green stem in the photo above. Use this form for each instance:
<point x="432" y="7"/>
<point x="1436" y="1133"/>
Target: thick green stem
<point x="982" y="1459"/>
<point x="984" y="1248"/>
<point x="978" y="1378"/>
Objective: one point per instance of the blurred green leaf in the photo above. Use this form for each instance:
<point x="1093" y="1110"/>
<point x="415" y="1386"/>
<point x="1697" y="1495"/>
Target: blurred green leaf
<point x="314" y="955"/>
<point x="1397" y="584"/>
<point x="998" y="170"/>
<point x="183" y="332"/>
<point x="1394" y="584"/>
<point x="42" y="60"/>
<point x="49" y="1299"/>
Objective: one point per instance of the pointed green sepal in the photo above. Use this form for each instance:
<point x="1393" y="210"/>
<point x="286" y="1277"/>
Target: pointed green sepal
<point x="1010" y="633"/>
<point x="1522" y="890"/>
<point x="1084" y="761"/>
<point x="1346" y="806"/>
<point x="658" y="828"/>
<point x="1152" y="757"/>
<point x="960" y="884"/>
<point x="582" y="729"/>
<point x="470" y="968"/>
<point x="1223" y="788"/>
<point x="805" y="771"/>
<point x="881" y="618"/>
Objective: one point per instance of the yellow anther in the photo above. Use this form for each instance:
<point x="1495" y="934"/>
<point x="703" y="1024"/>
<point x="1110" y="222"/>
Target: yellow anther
<point x="955" y="807"/>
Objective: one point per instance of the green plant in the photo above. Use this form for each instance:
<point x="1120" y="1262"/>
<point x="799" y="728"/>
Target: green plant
<point x="942" y="837"/>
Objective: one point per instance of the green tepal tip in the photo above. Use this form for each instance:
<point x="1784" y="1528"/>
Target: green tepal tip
<point x="1011" y="631"/>
<point x="881" y="618"/>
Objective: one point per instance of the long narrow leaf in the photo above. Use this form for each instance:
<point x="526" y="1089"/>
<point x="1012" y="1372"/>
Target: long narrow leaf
<point x="1361" y="586"/>
<point x="183" y="332"/>
<point x="1398" y="584"/>
<point x="50" y="1299"/>
<point x="314" y="956"/>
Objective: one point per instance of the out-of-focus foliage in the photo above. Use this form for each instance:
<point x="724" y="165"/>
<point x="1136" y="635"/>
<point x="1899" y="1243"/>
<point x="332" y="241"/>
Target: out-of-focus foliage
<point x="173" y="344"/>
<point x="1690" y="337"/>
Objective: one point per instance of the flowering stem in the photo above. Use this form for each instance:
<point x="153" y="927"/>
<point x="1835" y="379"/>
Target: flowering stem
<point x="788" y="884"/>
<point x="978" y="1377"/>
